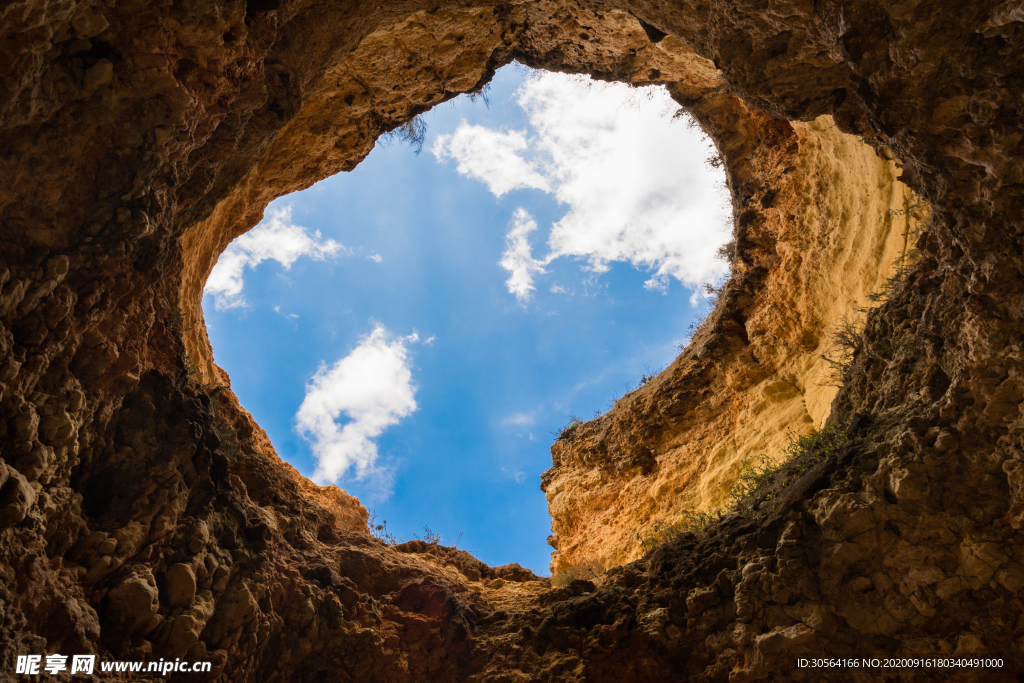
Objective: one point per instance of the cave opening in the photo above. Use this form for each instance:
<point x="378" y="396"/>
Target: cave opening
<point x="821" y="221"/>
<point x="421" y="328"/>
<point x="129" y="167"/>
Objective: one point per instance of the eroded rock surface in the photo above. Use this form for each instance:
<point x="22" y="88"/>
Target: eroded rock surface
<point x="755" y="374"/>
<point x="143" y="514"/>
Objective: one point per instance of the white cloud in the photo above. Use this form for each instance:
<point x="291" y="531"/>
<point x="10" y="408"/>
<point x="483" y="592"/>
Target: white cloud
<point x="518" y="259"/>
<point x="372" y="387"/>
<point x="375" y="257"/>
<point x="491" y="156"/>
<point x="517" y="475"/>
<point x="293" y="316"/>
<point x="633" y="181"/>
<point x="519" y="419"/>
<point x="275" y="238"/>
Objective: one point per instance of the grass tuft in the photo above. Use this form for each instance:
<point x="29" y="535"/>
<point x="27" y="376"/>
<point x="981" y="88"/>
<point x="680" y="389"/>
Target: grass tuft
<point x="176" y="320"/>
<point x="568" y="432"/>
<point x="412" y="133"/>
<point x="900" y="268"/>
<point x="380" y="531"/>
<point x="429" y="536"/>
<point x="649" y="376"/>
<point x="760" y="483"/>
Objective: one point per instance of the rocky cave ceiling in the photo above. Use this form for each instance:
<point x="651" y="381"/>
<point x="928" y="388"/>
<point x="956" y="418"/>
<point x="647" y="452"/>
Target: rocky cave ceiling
<point x="143" y="514"/>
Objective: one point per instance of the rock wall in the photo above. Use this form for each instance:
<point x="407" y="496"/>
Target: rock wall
<point x="823" y="231"/>
<point x="144" y="515"/>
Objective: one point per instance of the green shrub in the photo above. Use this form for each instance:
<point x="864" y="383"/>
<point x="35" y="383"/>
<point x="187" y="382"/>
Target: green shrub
<point x="761" y="481"/>
<point x="192" y="370"/>
<point x="692" y="522"/>
<point x="569" y="431"/>
<point x="176" y="320"/>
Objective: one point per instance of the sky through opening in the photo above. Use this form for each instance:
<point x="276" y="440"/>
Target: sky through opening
<point x="416" y="330"/>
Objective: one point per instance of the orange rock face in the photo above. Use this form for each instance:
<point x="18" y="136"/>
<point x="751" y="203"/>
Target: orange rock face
<point x="143" y="514"/>
<point x="832" y="223"/>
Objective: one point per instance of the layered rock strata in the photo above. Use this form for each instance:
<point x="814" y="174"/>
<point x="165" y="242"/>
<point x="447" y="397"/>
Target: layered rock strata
<point x="826" y="227"/>
<point x="143" y="514"/>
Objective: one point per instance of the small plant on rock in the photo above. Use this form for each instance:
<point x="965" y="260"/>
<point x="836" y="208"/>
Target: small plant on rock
<point x="482" y="95"/>
<point x="649" y="376"/>
<point x="844" y="339"/>
<point x="900" y="268"/>
<point x="727" y="253"/>
<point x="429" y="536"/>
<point x="693" y="522"/>
<point x="712" y="294"/>
<point x="569" y="431"/>
<point x="715" y="161"/>
<point x="906" y="211"/>
<point x="762" y="480"/>
<point x="760" y="483"/>
<point x="380" y="531"/>
<point x="412" y="133"/>
<point x="192" y="370"/>
<point x="176" y="320"/>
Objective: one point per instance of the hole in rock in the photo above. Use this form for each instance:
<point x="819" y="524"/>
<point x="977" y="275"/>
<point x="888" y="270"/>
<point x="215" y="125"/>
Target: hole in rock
<point x="417" y="330"/>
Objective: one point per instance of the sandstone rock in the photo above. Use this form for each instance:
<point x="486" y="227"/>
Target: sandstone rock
<point x="950" y="587"/>
<point x="186" y="628"/>
<point x="909" y="483"/>
<point x="1011" y="577"/>
<point x="946" y="440"/>
<point x="699" y="600"/>
<point x="790" y="640"/>
<point x="35" y="464"/>
<point x="927" y="575"/>
<point x="981" y="560"/>
<point x="79" y="620"/>
<point x="133" y="603"/>
<point x="99" y="74"/>
<point x="16" y="498"/>
<point x="181" y="585"/>
<point x="89" y="22"/>
<point x="130" y="538"/>
<point x="107" y="546"/>
<point x="137" y="141"/>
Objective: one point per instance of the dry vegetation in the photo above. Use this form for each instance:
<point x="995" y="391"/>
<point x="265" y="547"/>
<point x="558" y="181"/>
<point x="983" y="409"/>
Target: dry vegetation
<point x="760" y="483"/>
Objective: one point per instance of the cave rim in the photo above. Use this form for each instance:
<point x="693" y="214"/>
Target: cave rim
<point x="634" y="96"/>
<point x="959" y="245"/>
<point x="718" y="136"/>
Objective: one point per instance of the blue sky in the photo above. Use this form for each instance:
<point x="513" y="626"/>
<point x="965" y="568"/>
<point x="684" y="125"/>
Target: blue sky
<point x="416" y="330"/>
